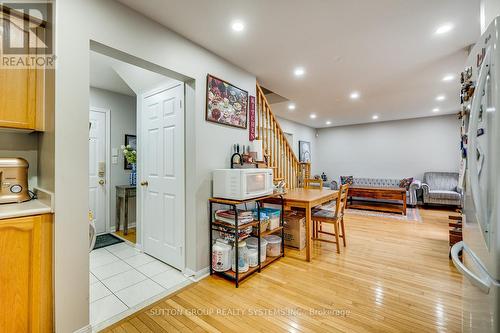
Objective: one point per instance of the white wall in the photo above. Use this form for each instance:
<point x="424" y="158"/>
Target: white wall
<point x="489" y="9"/>
<point x="395" y="149"/>
<point x="123" y="121"/>
<point x="207" y="144"/>
<point x="301" y="133"/>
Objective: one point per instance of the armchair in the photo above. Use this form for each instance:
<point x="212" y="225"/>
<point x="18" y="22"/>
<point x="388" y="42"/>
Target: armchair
<point x="442" y="188"/>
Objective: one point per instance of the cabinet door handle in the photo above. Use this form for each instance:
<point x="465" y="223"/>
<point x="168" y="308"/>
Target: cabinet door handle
<point x="144" y="183"/>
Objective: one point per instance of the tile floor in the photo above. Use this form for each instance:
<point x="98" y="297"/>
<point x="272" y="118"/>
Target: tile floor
<point x="122" y="277"/>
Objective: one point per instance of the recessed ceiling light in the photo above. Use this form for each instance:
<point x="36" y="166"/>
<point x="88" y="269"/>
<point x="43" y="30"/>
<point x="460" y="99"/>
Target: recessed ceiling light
<point x="440" y="98"/>
<point x="444" y="29"/>
<point x="291" y="106"/>
<point x="435" y="110"/>
<point x="238" y="26"/>
<point x="312" y="116"/>
<point x="375" y="117"/>
<point x="448" y="77"/>
<point x="328" y="122"/>
<point x="354" y="95"/>
<point x="299" y="71"/>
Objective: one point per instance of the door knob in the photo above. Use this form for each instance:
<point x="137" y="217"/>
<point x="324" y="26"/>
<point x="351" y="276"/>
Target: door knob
<point x="101" y="181"/>
<point x="144" y="183"/>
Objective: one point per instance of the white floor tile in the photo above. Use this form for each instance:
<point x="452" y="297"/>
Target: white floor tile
<point x="126" y="252"/>
<point x="169" y="278"/>
<point x="105" y="308"/>
<point x="92" y="278"/>
<point x="106" y="271"/>
<point x="139" y="260"/>
<point x="98" y="291"/>
<point x="124" y="280"/>
<point x="139" y="292"/>
<point x="153" y="268"/>
<point x="101" y="258"/>
<point x="118" y="247"/>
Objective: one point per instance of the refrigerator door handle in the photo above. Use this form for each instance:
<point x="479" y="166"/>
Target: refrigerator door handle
<point x="476" y="281"/>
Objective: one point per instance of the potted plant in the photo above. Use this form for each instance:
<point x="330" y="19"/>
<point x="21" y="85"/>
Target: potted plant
<point x="131" y="156"/>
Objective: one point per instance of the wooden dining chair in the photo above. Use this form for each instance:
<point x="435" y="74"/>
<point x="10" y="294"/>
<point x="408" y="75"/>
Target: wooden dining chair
<point x="313" y="183"/>
<point x="332" y="214"/>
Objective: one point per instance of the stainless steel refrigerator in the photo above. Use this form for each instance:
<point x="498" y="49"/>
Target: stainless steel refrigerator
<point x="480" y="248"/>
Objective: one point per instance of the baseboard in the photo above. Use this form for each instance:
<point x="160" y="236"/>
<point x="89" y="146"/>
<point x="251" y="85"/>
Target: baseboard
<point x="197" y="276"/>
<point x="130" y="225"/>
<point x="85" y="329"/>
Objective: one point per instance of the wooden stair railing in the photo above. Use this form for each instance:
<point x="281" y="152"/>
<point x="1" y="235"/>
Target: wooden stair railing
<point x="281" y="158"/>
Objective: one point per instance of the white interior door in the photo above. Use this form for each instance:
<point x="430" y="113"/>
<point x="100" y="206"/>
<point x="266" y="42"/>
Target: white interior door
<point x="162" y="171"/>
<point x="97" y="168"/>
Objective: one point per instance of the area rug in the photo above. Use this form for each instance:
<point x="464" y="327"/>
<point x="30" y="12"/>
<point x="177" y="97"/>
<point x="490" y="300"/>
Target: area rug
<point x="412" y="214"/>
<point x="106" y="240"/>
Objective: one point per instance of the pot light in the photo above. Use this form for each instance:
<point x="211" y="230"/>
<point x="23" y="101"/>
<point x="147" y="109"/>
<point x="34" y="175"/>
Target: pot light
<point x="435" y="110"/>
<point x="448" y="77"/>
<point x="375" y="117"/>
<point x="354" y="95"/>
<point x="299" y="71"/>
<point x="312" y="116"/>
<point x="328" y="122"/>
<point x="440" y="98"/>
<point x="291" y="106"/>
<point x="444" y="29"/>
<point x="238" y="26"/>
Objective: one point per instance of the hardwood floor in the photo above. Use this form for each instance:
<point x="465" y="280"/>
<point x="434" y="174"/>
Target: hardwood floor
<point x="394" y="276"/>
<point x="130" y="236"/>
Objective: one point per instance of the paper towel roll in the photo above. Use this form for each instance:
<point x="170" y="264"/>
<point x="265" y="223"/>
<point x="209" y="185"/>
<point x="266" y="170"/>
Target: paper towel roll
<point x="257" y="147"/>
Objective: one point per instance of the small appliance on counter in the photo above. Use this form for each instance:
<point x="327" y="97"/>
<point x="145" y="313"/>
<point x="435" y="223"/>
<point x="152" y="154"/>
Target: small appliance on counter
<point x="13" y="180"/>
<point x="242" y="184"/>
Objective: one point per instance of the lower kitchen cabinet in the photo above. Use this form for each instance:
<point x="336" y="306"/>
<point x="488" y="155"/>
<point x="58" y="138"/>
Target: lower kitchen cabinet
<point x="26" y="297"/>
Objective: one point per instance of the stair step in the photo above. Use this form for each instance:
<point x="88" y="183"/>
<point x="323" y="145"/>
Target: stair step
<point x="277" y="179"/>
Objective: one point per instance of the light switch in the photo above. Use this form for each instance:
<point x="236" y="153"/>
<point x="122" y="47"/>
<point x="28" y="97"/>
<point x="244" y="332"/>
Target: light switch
<point x="114" y="160"/>
<point x="114" y="151"/>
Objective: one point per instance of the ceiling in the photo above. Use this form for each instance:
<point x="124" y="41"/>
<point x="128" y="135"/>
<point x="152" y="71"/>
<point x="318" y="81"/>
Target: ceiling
<point x="121" y="77"/>
<point x="387" y="50"/>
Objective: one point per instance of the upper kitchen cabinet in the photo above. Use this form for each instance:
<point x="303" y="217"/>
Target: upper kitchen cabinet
<point x="22" y="88"/>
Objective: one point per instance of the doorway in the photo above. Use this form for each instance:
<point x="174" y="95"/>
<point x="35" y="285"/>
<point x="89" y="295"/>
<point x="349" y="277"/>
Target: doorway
<point x="144" y="205"/>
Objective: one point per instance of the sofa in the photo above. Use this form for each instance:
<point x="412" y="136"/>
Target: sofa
<point x="442" y="188"/>
<point x="411" y="193"/>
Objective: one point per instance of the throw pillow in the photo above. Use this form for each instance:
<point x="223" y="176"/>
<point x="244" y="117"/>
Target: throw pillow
<point x="406" y="182"/>
<point x="346" y="180"/>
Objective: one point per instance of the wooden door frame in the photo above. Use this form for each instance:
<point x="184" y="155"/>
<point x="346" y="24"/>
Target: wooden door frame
<point x="140" y="164"/>
<point x="107" y="158"/>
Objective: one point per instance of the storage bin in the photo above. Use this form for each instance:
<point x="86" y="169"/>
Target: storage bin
<point x="253" y="257"/>
<point x="274" y="217"/>
<point x="273" y="245"/>
<point x="242" y="258"/>
<point x="252" y="243"/>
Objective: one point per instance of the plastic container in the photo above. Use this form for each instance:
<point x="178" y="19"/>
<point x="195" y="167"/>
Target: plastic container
<point x="221" y="256"/>
<point x="242" y="258"/>
<point x="252" y="243"/>
<point x="273" y="245"/>
<point x="274" y="217"/>
<point x="253" y="257"/>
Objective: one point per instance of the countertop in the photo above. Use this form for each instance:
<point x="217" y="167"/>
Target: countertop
<point x="28" y="208"/>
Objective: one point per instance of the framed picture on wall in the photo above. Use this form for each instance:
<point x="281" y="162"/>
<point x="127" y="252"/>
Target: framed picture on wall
<point x="131" y="140"/>
<point x="226" y="104"/>
<point x="304" y="151"/>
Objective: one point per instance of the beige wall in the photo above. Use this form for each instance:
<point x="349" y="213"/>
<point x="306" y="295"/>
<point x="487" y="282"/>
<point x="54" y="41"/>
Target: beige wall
<point x="207" y="145"/>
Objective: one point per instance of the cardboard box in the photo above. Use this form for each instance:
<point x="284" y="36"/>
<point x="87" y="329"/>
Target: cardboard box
<point x="295" y="229"/>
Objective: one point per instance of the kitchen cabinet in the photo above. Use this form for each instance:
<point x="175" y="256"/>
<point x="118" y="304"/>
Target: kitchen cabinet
<point x="22" y="90"/>
<point x="26" y="298"/>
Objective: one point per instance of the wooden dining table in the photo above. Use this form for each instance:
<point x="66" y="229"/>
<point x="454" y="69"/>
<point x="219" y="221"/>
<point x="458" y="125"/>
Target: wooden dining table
<point x="308" y="199"/>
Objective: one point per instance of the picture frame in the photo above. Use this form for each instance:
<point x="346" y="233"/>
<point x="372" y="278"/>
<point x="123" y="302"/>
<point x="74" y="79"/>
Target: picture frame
<point x="226" y="104"/>
<point x="304" y="151"/>
<point x="130" y="139"/>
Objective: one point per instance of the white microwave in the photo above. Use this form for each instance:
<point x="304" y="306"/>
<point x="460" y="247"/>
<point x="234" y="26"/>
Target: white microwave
<point x="242" y="184"/>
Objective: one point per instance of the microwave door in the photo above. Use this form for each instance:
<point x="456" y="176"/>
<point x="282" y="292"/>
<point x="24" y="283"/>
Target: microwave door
<point x="257" y="184"/>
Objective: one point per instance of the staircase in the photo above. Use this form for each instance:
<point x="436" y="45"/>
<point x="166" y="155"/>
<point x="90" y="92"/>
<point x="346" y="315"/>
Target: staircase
<point x="278" y="151"/>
